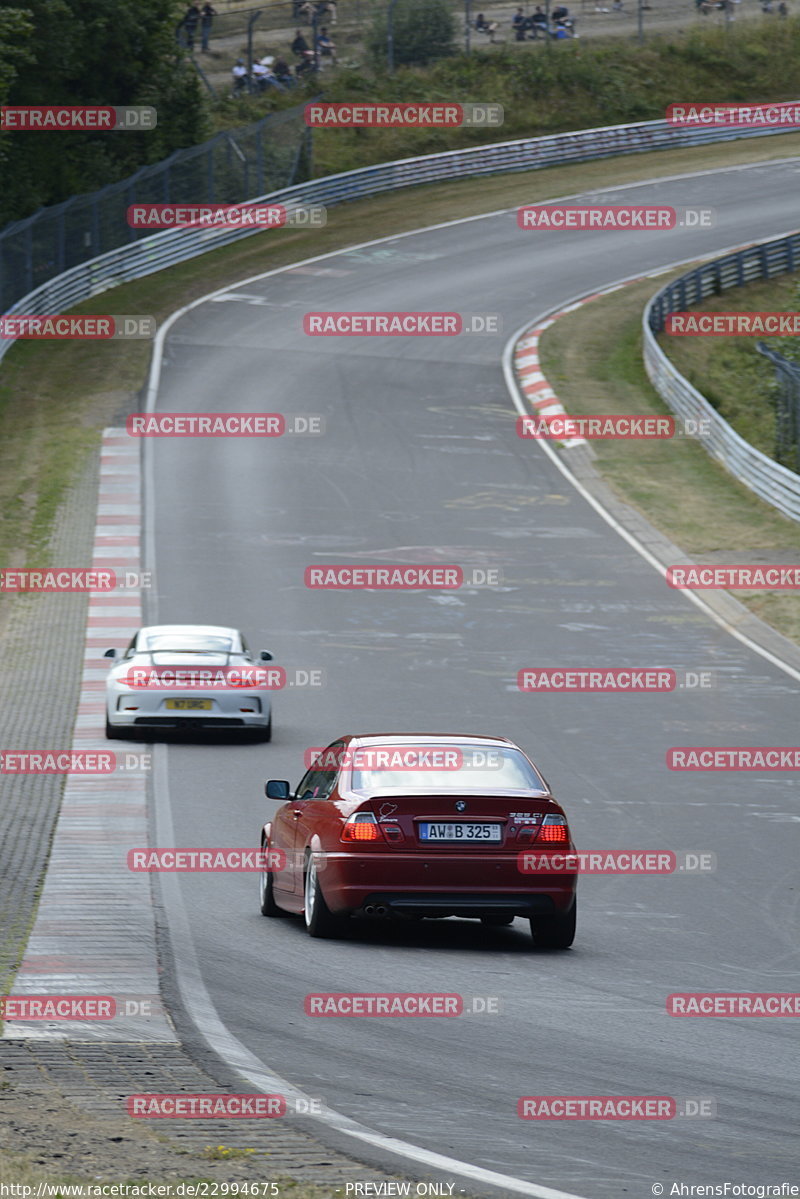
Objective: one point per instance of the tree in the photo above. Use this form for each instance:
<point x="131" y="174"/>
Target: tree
<point x="423" y="31"/>
<point x="107" y="52"/>
<point x="16" y="31"/>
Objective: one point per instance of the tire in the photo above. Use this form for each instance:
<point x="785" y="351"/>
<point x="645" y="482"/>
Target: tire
<point x="268" y="905"/>
<point x="265" y="734"/>
<point x="319" y="920"/>
<point x="117" y="733"/>
<point x="497" y="921"/>
<point x="555" y="932"/>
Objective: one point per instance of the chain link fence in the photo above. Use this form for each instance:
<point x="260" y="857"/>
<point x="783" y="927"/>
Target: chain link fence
<point x="787" y="407"/>
<point x="605" y="18"/>
<point x="231" y="167"/>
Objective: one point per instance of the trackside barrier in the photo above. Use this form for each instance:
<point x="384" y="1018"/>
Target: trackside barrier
<point x="773" y="483"/>
<point x="147" y="255"/>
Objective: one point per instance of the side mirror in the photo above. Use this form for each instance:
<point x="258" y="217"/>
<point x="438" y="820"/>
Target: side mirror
<point x="110" y="653"/>
<point x="276" y="789"/>
<point x="265" y="655"/>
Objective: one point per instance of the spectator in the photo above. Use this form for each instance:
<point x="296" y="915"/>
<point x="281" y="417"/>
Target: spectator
<point x="327" y="7"/>
<point x="305" y="11"/>
<point x="539" y="22"/>
<point x="301" y="50"/>
<point x="484" y="26"/>
<point x="783" y="11"/>
<point x="260" y="75"/>
<point x="325" y="46"/>
<point x="283" y="72"/>
<point x="190" y="19"/>
<point x="241" y="79"/>
<point x="207" y="14"/>
<point x="268" y="75"/>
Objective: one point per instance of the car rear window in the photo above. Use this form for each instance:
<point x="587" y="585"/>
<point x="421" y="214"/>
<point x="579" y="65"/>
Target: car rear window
<point x="186" y="643"/>
<point x="473" y="769"/>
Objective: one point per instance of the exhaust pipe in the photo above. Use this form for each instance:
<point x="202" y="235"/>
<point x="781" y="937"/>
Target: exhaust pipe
<point x="375" y="909"/>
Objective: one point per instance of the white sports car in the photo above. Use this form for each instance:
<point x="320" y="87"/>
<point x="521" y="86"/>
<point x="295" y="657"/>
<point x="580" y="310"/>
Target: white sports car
<point x="179" y="676"/>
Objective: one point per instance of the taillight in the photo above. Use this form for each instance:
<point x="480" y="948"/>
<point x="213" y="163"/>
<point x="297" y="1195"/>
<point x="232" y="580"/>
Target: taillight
<point x="362" y="826"/>
<point x="554" y="830"/>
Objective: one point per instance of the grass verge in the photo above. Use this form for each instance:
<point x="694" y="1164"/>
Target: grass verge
<point x="683" y="492"/>
<point x="18" y="1169"/>
<point x="729" y="371"/>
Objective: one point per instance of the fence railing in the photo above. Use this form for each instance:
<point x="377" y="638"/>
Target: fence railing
<point x="787" y="407"/>
<point x="770" y="480"/>
<point x="231" y="167"/>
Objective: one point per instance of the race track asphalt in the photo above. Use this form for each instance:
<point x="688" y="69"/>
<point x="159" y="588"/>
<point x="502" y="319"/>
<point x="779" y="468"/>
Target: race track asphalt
<point x="420" y="463"/>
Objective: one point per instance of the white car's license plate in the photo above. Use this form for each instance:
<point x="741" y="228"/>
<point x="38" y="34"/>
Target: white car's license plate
<point x="189" y="705"/>
<point x="460" y="831"/>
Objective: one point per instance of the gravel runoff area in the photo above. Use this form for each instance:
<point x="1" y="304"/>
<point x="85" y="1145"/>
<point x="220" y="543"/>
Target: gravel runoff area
<point x="62" y="1103"/>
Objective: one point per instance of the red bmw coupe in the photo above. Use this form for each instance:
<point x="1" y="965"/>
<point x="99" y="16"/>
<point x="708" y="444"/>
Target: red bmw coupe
<point x="402" y="825"/>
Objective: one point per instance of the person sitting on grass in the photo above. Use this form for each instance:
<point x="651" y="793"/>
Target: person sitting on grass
<point x="325" y="46"/>
<point x="484" y="26"/>
<point x="264" y="76"/>
<point x="539" y="23"/>
<point x="300" y="49"/>
<point x="240" y="77"/>
<point x="283" y="72"/>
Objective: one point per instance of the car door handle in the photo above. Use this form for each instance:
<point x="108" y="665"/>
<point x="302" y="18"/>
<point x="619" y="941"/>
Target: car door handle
<point x="297" y="813"/>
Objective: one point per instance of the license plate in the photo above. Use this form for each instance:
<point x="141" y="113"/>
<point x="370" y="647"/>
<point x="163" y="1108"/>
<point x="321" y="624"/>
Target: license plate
<point x="460" y="831"/>
<point x="189" y="705"/>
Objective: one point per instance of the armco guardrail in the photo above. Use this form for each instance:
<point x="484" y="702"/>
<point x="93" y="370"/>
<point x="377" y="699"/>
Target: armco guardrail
<point x="775" y="484"/>
<point x="150" y="254"/>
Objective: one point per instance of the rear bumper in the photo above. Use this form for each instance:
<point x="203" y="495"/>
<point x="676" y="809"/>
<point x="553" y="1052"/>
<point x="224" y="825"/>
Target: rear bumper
<point x="450" y="884"/>
<point x="183" y="721"/>
<point x="226" y="711"/>
<point x="476" y="905"/>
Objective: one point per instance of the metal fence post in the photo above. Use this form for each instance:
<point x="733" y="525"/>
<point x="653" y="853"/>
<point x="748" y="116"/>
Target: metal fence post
<point x="96" y="236"/>
<point x="314" y="23"/>
<point x="390" y="36"/>
<point x="61" y="241"/>
<point x="250" y="27"/>
<point x="260" y="180"/>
